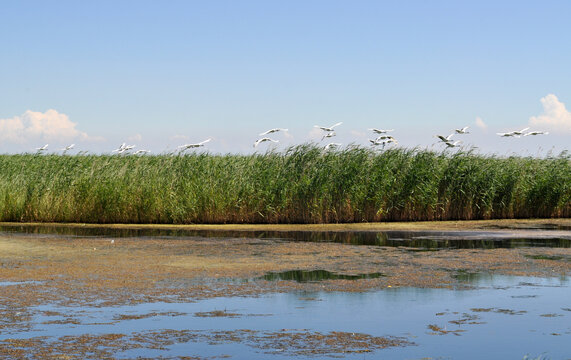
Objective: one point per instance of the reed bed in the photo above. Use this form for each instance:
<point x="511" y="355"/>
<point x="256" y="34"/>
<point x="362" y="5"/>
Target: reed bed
<point x="303" y="184"/>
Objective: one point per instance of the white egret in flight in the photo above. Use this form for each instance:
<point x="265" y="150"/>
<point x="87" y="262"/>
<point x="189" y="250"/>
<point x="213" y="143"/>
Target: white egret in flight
<point x="444" y="138"/>
<point x="386" y="137"/>
<point x="507" y="134"/>
<point x="520" y="132"/>
<point x="513" y="133"/>
<point x="120" y="149"/>
<point x="462" y="131"/>
<point x="67" y="148"/>
<point x="142" y="152"/>
<point x="191" y="146"/>
<point x="329" y="135"/>
<point x="272" y="131"/>
<point x="40" y="149"/>
<point x="331" y="146"/>
<point x="453" y="144"/>
<point x="264" y="139"/>
<point x="536" y="133"/>
<point x="328" y="129"/>
<point x="381" y="131"/>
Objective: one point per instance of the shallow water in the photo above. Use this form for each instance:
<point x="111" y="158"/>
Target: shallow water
<point x="533" y="236"/>
<point x="496" y="316"/>
<point x="510" y="316"/>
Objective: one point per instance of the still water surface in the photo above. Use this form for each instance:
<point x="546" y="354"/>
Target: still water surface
<point x="502" y="317"/>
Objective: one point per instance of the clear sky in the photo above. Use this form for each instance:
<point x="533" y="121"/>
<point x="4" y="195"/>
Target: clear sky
<point x="159" y="74"/>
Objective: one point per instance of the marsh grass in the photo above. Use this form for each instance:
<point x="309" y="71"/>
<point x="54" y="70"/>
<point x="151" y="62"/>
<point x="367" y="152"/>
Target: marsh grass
<point x="302" y="184"/>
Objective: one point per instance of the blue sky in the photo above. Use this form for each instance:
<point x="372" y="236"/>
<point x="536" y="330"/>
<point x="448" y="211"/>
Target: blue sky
<point x="159" y="74"/>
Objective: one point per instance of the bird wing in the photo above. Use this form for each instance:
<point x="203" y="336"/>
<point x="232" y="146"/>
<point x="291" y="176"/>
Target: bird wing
<point x="339" y="123"/>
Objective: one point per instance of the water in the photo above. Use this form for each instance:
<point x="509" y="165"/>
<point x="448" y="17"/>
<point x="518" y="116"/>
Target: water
<point x="508" y="317"/>
<point x="501" y="317"/>
<point x="547" y="235"/>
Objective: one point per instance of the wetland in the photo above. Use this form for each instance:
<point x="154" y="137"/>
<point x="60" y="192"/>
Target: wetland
<point x="396" y="290"/>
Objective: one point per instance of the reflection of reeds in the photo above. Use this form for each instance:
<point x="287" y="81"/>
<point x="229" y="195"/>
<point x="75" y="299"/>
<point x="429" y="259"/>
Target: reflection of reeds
<point x="301" y="185"/>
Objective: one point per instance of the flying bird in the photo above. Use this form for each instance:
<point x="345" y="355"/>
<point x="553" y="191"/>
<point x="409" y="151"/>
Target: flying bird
<point x="453" y="144"/>
<point x="40" y="149"/>
<point x="191" y="146"/>
<point x="381" y="131"/>
<point x="142" y="152"/>
<point x="386" y="137"/>
<point x="331" y="146"/>
<point x="462" y="131"/>
<point x="67" y="148"/>
<point x="444" y="138"/>
<point x="120" y="149"/>
<point x="271" y="131"/>
<point x="520" y="132"/>
<point x="328" y="129"/>
<point x="264" y="139"/>
<point x="329" y="135"/>
<point x="536" y="133"/>
<point x="377" y="142"/>
<point x="513" y="133"/>
<point x="507" y="134"/>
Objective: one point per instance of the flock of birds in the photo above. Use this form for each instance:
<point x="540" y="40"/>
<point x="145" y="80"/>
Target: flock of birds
<point x="382" y="139"/>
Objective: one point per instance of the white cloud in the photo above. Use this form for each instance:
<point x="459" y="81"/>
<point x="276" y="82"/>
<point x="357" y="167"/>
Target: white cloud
<point x="555" y="116"/>
<point x="480" y="123"/>
<point x="32" y="125"/>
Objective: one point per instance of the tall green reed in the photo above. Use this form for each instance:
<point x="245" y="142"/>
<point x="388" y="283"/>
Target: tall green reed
<point x="303" y="184"/>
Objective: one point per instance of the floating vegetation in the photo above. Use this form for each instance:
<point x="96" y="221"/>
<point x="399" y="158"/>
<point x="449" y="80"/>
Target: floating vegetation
<point x="315" y="275"/>
<point x="550" y="315"/>
<point x="303" y="184"/>
<point x="499" y="311"/>
<point x="121" y="317"/>
<point x="437" y="330"/>
<point x="286" y="343"/>
<point x="216" y="313"/>
<point x="547" y="257"/>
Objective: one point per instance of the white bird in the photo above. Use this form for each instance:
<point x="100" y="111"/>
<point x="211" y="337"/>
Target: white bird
<point x="329" y="135"/>
<point x="120" y="149"/>
<point x="377" y="142"/>
<point x="381" y="131"/>
<point x="444" y="138"/>
<point x="328" y="129"/>
<point x="40" y="149"/>
<point x="462" y="131"/>
<point x="513" y="133"/>
<point x="142" y="152"/>
<point x="331" y="146"/>
<point x="272" y="131"/>
<point x="191" y="146"/>
<point x="386" y="137"/>
<point x="536" y="133"/>
<point x="69" y="147"/>
<point x="454" y="144"/>
<point x="264" y="139"/>
<point x="520" y="132"/>
<point x="507" y="134"/>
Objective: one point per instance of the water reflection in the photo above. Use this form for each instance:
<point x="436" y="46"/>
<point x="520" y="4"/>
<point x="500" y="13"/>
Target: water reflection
<point x="315" y="275"/>
<point x="513" y="316"/>
<point x="418" y="239"/>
